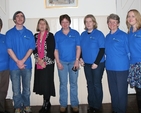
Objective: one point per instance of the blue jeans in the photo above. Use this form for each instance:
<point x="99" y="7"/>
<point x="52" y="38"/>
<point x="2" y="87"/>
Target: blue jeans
<point x="21" y="96"/>
<point x="94" y="84"/>
<point x="63" y="76"/>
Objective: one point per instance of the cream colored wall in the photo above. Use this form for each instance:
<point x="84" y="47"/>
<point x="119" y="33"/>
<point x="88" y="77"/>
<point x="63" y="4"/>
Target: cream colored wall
<point x="77" y="23"/>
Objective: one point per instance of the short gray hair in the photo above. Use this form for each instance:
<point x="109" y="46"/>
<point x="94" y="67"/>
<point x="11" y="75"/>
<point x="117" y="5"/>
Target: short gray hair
<point x="114" y="17"/>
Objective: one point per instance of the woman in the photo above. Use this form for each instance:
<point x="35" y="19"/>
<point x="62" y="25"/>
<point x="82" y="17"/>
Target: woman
<point x="4" y="71"/>
<point x="67" y="53"/>
<point x="117" y="64"/>
<point x="133" y="21"/>
<point x="92" y="45"/>
<point x="44" y="67"/>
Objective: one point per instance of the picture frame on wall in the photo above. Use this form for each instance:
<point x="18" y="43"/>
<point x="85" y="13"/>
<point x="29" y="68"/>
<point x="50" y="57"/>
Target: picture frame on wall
<point x="61" y="3"/>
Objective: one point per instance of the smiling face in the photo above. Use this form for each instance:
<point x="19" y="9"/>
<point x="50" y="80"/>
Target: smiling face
<point x="19" y="19"/>
<point x="113" y="24"/>
<point x="131" y="19"/>
<point x="65" y="24"/>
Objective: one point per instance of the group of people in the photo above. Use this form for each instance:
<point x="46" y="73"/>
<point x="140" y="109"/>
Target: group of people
<point x="118" y="52"/>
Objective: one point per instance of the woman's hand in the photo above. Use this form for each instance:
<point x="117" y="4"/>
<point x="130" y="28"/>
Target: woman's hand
<point x="60" y="66"/>
<point x="81" y="62"/>
<point x="43" y="65"/>
<point x="94" y="66"/>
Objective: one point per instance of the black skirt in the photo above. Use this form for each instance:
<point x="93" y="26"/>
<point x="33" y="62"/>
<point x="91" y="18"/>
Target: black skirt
<point x="44" y="81"/>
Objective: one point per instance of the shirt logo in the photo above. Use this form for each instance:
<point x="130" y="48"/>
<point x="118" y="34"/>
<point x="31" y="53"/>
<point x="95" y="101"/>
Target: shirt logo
<point x="26" y="37"/>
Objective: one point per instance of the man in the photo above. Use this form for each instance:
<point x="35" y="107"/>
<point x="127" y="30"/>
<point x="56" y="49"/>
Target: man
<point x="4" y="72"/>
<point x="20" y="44"/>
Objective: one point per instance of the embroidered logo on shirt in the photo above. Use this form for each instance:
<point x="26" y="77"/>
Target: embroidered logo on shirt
<point x="138" y="36"/>
<point x="26" y="37"/>
<point x="115" y="39"/>
<point x="71" y="36"/>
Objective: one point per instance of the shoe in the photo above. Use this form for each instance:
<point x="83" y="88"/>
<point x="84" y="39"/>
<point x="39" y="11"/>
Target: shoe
<point x="62" y="109"/>
<point x="75" y="109"/>
<point x="41" y="110"/>
<point x="47" y="107"/>
<point x="18" y="110"/>
<point x="27" y="109"/>
<point x="92" y="110"/>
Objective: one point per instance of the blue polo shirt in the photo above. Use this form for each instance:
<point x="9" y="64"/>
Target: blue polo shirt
<point x="4" y="57"/>
<point x="135" y="46"/>
<point x="90" y="45"/>
<point x="66" y="44"/>
<point x="116" y="50"/>
<point x="20" y="41"/>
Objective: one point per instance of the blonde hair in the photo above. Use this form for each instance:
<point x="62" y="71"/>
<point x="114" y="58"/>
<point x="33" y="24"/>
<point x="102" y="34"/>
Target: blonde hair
<point x="47" y="25"/>
<point x="93" y="19"/>
<point x="137" y="17"/>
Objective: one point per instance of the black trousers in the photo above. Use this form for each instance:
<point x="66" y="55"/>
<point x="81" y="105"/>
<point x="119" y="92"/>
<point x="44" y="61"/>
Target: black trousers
<point x="4" y="83"/>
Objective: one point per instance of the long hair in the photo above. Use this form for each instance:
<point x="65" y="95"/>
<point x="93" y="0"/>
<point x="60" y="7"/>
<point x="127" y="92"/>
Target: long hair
<point x="47" y="25"/>
<point x="137" y="17"/>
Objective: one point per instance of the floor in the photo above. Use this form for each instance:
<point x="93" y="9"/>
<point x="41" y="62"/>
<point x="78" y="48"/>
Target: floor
<point x="106" y="108"/>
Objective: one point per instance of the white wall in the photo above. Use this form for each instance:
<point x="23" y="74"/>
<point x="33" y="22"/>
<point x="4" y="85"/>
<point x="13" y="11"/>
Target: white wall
<point x="36" y="8"/>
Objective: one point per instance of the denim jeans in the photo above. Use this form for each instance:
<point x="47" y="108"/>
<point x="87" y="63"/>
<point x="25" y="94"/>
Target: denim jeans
<point x="63" y="76"/>
<point x="21" y="93"/>
<point x="94" y="84"/>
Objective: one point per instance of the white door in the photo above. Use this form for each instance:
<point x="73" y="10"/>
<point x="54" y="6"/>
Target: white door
<point x="123" y="6"/>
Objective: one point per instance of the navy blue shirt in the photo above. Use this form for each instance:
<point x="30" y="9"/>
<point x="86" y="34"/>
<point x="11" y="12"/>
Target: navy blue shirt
<point x="116" y="50"/>
<point x="91" y="44"/>
<point x="66" y="44"/>
<point x="4" y="57"/>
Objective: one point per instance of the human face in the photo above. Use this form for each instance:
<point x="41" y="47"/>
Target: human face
<point x="89" y="24"/>
<point x="42" y="26"/>
<point x="65" y="24"/>
<point x="19" y="20"/>
<point x="131" y="18"/>
<point x="113" y="25"/>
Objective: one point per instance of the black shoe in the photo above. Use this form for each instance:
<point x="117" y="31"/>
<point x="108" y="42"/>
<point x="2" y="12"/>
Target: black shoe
<point x="90" y="110"/>
<point x="46" y="107"/>
<point x="41" y="110"/>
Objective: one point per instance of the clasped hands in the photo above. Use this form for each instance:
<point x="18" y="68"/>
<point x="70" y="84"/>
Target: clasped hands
<point x="41" y="63"/>
<point x="20" y="64"/>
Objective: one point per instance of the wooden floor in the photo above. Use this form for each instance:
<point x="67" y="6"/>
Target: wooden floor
<point x="106" y="108"/>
